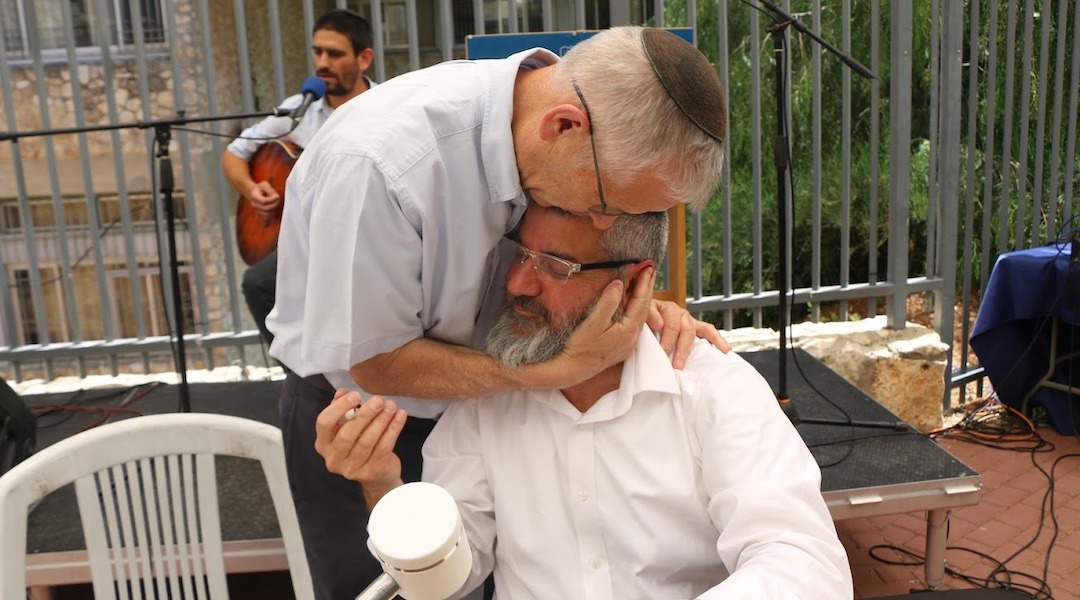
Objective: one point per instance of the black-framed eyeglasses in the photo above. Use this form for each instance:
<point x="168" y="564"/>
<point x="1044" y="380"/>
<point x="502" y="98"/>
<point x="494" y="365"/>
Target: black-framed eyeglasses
<point x="602" y="208"/>
<point x="559" y="268"/>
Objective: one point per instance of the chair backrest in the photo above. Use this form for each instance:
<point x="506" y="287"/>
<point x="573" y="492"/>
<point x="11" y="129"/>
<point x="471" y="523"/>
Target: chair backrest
<point x="148" y="501"/>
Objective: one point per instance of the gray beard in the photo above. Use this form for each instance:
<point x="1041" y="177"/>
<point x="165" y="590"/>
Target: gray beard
<point x="544" y="343"/>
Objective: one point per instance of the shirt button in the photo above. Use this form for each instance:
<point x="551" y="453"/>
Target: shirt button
<point x="596" y="564"/>
<point x="583" y="497"/>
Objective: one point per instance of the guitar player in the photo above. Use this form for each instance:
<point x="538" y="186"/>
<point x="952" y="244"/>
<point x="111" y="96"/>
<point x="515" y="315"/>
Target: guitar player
<point x="258" y="161"/>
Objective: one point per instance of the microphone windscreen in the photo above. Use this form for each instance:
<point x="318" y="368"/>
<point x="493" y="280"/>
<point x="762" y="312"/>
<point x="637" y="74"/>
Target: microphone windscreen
<point x="314" y="86"/>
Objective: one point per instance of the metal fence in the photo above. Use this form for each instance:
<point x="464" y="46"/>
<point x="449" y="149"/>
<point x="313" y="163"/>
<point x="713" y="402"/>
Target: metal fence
<point x="911" y="183"/>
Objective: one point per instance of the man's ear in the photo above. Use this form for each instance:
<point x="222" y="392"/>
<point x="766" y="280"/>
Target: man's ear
<point x="562" y="119"/>
<point x="633" y="273"/>
<point x="365" y="58"/>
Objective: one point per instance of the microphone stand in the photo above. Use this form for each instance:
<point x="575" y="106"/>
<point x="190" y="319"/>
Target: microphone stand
<point x="777" y="29"/>
<point x="162" y="137"/>
<point x="383" y="588"/>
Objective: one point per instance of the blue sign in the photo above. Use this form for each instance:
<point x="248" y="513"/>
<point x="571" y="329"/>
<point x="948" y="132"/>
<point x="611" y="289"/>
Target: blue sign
<point x="501" y="45"/>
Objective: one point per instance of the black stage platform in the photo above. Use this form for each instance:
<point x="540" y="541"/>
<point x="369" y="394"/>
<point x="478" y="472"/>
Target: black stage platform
<point x="865" y="472"/>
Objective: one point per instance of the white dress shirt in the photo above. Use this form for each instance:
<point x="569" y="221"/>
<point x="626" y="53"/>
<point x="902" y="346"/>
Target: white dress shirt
<point x="274" y="128"/>
<point x="679" y="484"/>
<point x="391" y="214"/>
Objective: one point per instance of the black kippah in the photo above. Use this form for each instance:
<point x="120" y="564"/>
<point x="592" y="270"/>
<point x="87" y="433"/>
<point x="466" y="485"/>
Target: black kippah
<point x="689" y="80"/>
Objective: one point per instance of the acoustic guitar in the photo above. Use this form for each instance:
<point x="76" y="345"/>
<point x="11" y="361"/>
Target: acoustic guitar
<point x="257" y="236"/>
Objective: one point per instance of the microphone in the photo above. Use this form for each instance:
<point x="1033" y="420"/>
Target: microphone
<point x="313" y="89"/>
<point x="417" y="535"/>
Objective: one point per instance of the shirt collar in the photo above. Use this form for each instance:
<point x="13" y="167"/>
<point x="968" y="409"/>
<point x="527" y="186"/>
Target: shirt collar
<point x="647" y="370"/>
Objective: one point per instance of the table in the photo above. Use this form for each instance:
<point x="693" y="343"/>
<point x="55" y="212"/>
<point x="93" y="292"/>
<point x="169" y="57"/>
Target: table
<point x="884" y="475"/>
<point x="1026" y="332"/>
<point x="886" y="472"/>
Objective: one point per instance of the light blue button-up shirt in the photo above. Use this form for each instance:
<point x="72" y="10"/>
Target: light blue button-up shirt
<point x="391" y="214"/>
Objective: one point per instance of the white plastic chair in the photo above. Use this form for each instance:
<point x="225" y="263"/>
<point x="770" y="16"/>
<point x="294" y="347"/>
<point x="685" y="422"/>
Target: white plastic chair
<point x="147" y="496"/>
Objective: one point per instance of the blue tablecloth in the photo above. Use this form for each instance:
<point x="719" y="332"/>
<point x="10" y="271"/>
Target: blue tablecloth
<point x="1012" y="330"/>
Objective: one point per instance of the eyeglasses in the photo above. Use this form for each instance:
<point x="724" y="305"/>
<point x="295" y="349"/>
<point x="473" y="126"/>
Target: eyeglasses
<point x="602" y="208"/>
<point x="558" y="268"/>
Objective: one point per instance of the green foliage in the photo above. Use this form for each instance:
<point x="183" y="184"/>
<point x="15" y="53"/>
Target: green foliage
<point x="753" y="238"/>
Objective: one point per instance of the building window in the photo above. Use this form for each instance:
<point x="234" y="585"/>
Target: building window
<point x="155" y="318"/>
<point x="52" y="295"/>
<point x="85" y="29"/>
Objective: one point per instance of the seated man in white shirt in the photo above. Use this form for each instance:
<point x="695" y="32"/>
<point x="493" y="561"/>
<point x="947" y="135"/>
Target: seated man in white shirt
<point x="642" y="482"/>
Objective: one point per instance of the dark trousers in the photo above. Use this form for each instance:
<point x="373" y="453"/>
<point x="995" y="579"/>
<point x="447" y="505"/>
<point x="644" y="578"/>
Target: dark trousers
<point x="258" y="285"/>
<point x="331" y="509"/>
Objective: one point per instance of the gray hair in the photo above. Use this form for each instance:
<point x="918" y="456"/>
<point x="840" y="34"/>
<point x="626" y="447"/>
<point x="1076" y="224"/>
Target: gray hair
<point x="640" y="237"/>
<point x="638" y="124"/>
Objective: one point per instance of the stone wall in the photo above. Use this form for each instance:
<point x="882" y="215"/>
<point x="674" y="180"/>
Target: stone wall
<point x="903" y="369"/>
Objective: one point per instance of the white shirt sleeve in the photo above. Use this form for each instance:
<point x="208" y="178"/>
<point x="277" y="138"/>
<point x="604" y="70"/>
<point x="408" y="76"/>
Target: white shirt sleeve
<point x="453" y="459"/>
<point x="776" y="537"/>
<point x="269" y="128"/>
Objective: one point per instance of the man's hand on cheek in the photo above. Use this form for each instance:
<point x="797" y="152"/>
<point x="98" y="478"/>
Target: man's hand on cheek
<point x="601" y="342"/>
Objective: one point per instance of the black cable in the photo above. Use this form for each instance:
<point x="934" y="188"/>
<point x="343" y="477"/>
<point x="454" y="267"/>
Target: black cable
<point x="983" y="426"/>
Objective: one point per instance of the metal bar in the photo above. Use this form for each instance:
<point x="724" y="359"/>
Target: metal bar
<point x="724" y="69"/>
<point x="11" y="327"/>
<point x="446" y="28"/>
<point x="189" y="191"/>
<point x="756" y="163"/>
<point x="937" y="530"/>
<point x="223" y="188"/>
<point x="478" y="17"/>
<point x="815" y="158"/>
<point x="41" y="317"/>
<point x="1074" y="99"/>
<point x="1023" y="205"/>
<point x="273" y="14"/>
<point x="413" y="34"/>
<point x="933" y="190"/>
<point x="900" y="158"/>
<point x="1054" y="225"/>
<point x="243" y="61"/>
<point x="1038" y="230"/>
<point x="969" y="211"/>
<point x="875" y="150"/>
<point x="989" y="138"/>
<point x="830" y="293"/>
<point x="951" y="72"/>
<point x="91" y="198"/>
<point x="123" y="346"/>
<point x="377" y="31"/>
<point x="1007" y="131"/>
<point x="845" y="156"/>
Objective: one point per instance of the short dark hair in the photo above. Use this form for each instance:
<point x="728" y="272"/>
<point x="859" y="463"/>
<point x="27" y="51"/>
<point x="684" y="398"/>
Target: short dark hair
<point x="349" y="24"/>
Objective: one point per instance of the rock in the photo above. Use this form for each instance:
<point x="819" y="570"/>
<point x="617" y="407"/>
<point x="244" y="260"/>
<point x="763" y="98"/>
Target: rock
<point x="902" y="369"/>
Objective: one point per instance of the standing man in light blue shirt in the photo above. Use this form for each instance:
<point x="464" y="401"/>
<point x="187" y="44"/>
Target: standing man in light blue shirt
<point x="340" y="52"/>
<point x="394" y="214"/>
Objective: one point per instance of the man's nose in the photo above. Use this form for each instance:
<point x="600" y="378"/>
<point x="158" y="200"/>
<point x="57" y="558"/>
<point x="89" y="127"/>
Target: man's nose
<point x="522" y="279"/>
